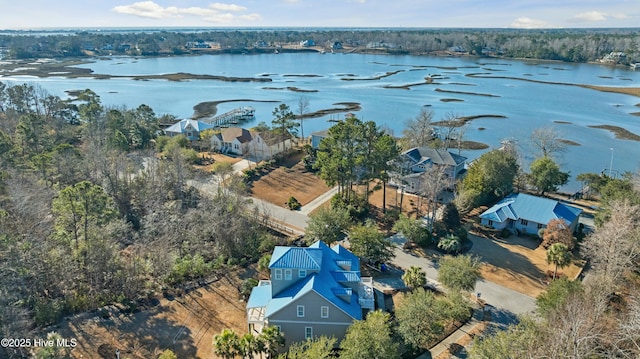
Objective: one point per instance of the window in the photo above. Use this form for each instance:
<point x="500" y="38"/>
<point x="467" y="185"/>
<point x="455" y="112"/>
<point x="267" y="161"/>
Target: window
<point x="278" y="274"/>
<point x="302" y="273"/>
<point x="540" y="225"/>
<point x="287" y="274"/>
<point x="524" y="222"/>
<point x="189" y="134"/>
<point x="490" y="222"/>
<point x="236" y="146"/>
<point x="324" y="312"/>
<point x="308" y="332"/>
<point x="300" y="311"/>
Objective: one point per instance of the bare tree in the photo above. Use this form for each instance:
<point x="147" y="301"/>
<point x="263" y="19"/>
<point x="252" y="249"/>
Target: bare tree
<point x="547" y="141"/>
<point x="578" y="328"/>
<point x="432" y="183"/>
<point x="303" y="108"/>
<point x="615" y="246"/>
<point x="418" y="132"/>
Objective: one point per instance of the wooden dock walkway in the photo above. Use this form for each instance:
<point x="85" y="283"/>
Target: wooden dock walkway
<point x="232" y="117"/>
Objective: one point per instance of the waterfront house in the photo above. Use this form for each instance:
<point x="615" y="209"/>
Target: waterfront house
<point x="318" y="136"/>
<point x="258" y="146"/>
<point x="313" y="291"/>
<point x="189" y="128"/>
<point x="412" y="164"/>
<point x="524" y="213"/>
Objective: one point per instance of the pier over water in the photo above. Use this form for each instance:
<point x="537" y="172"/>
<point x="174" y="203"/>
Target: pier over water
<point x="232" y="117"/>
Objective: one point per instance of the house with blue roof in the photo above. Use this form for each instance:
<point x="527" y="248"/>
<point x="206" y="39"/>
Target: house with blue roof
<point x="521" y="212"/>
<point x="313" y="291"/>
<point x="189" y="128"/>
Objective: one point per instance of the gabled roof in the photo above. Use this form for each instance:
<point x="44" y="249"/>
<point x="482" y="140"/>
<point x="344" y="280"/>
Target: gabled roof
<point x="273" y="136"/>
<point x="179" y="127"/>
<point x="231" y="133"/>
<point x="296" y="257"/>
<point x="440" y="157"/>
<point x="531" y="208"/>
<point x="323" y="133"/>
<point x="325" y="278"/>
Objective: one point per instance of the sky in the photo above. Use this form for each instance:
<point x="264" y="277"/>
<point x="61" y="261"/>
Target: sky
<point x="89" y="14"/>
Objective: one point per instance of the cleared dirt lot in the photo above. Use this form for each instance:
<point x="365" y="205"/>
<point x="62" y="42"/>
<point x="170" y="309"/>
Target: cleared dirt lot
<point x="184" y="324"/>
<point x="290" y="179"/>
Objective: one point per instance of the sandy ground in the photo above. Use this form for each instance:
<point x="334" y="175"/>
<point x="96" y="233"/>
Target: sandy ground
<point x="184" y="324"/>
<point x="212" y="158"/>
<point x="291" y="179"/>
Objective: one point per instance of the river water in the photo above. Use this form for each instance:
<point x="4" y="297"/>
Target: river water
<point x="525" y="104"/>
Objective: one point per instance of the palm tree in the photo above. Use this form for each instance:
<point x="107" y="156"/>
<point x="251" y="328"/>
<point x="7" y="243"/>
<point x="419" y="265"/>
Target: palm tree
<point x="559" y="255"/>
<point x="414" y="277"/>
<point x="248" y="345"/>
<point x="226" y="344"/>
<point x="273" y="340"/>
<point x="450" y="244"/>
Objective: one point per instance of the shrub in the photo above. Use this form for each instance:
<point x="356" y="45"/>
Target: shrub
<point x="450" y="244"/>
<point x="293" y="204"/>
<point x="246" y="286"/>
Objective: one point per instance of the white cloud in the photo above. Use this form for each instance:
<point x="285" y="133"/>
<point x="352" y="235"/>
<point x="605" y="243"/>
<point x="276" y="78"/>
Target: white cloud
<point x="227" y="7"/>
<point x="528" y="23"/>
<point x="591" y="16"/>
<point x="214" y="12"/>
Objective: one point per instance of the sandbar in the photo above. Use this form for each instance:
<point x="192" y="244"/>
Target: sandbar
<point x="619" y="132"/>
<point x="210" y="108"/>
<point x="461" y="121"/>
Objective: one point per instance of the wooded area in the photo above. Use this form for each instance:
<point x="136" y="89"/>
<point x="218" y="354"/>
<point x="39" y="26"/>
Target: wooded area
<point x="91" y="214"/>
<point x="572" y="45"/>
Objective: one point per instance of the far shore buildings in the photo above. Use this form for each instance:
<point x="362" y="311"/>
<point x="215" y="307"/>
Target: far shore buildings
<point x="524" y="213"/>
<point x="257" y="146"/>
<point x="313" y="291"/>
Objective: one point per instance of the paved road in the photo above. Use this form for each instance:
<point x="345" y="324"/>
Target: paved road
<point x="499" y="297"/>
<point x="294" y="220"/>
<point x="309" y="207"/>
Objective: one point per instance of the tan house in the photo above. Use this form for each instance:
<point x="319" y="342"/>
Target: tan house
<point x="258" y="146"/>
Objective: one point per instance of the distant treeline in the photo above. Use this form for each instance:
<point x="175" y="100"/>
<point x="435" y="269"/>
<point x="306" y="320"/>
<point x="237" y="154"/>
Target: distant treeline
<point x="616" y="46"/>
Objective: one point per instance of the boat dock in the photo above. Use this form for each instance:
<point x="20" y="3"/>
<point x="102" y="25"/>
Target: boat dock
<point x="232" y="117"/>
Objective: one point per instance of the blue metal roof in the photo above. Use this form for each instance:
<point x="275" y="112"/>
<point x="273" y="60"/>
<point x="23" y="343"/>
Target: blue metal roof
<point x="325" y="283"/>
<point x="531" y="208"/>
<point x="295" y="257"/>
<point x="260" y="296"/>
<point x="343" y="277"/>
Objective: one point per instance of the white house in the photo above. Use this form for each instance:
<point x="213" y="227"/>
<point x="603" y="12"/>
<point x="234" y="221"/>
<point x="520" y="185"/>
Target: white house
<point x="259" y="146"/>
<point x="521" y="212"/>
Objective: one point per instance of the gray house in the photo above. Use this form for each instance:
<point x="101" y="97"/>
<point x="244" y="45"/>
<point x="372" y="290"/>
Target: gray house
<point x="413" y="163"/>
<point x="313" y="291"/>
<point x="521" y="212"/>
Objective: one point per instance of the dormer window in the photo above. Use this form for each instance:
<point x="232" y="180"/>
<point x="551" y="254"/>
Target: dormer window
<point x="302" y="273"/>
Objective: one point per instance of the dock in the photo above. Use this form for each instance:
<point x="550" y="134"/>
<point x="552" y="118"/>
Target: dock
<point x="232" y="117"/>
